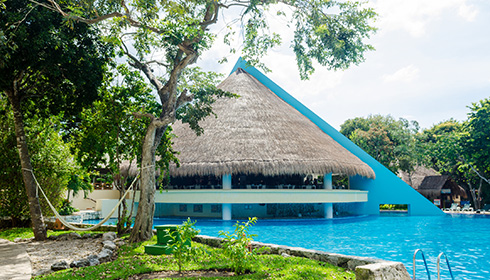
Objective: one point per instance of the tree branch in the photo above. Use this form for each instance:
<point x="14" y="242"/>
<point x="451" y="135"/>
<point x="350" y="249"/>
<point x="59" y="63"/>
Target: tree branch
<point x="474" y="170"/>
<point x="141" y="115"/>
<point x="143" y="67"/>
<point x="183" y="99"/>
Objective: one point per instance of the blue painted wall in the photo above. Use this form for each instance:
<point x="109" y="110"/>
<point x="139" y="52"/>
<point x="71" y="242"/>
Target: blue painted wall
<point x="387" y="188"/>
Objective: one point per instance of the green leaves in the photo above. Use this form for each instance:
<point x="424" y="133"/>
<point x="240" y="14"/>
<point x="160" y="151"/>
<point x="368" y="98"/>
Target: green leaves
<point x="332" y="33"/>
<point x="394" y="143"/>
<point x="237" y="246"/>
<point x="202" y="86"/>
<point x="181" y="244"/>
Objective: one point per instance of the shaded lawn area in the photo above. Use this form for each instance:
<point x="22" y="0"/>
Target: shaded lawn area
<point x="132" y="261"/>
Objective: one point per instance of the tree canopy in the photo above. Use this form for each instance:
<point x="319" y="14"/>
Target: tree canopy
<point x="392" y="142"/>
<point x="46" y="68"/>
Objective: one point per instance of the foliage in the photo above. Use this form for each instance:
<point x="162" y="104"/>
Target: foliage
<point x="132" y="261"/>
<point x="78" y="183"/>
<point x="394" y="143"/>
<point x="66" y="208"/>
<point x="393" y="207"/>
<point x="55" y="68"/>
<point x="108" y="132"/>
<point x="46" y="69"/>
<point x="237" y="246"/>
<point x="460" y="150"/>
<point x="51" y="158"/>
<point x="476" y="140"/>
<point x="443" y="149"/>
<point x="181" y="243"/>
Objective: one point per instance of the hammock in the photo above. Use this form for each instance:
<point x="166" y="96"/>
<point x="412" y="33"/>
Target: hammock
<point x="78" y="228"/>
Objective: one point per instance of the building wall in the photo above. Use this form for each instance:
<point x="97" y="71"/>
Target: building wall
<point x="82" y="203"/>
<point x="387" y="188"/>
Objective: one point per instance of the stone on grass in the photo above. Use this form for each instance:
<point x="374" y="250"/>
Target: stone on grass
<point x="80" y="263"/>
<point x="382" y="271"/>
<point x="41" y="271"/>
<point x="59" y="265"/>
<point x="93" y="260"/>
<point x="75" y="235"/>
<point x="109" y="245"/>
<point x="109" y="236"/>
<point x="119" y="242"/>
<point x="105" y="255"/>
<point x="87" y="235"/>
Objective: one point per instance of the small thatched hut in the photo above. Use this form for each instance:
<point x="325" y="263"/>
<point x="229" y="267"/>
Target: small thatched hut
<point x="441" y="187"/>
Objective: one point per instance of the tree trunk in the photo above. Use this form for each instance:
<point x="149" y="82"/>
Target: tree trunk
<point x="38" y="226"/>
<point x="122" y="213"/>
<point x="143" y="223"/>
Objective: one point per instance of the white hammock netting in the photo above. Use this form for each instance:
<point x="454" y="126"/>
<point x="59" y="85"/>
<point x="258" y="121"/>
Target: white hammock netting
<point x="68" y="225"/>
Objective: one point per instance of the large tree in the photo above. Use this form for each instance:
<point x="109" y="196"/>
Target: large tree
<point x="394" y="143"/>
<point x="109" y="136"/>
<point x="46" y="67"/>
<point x="329" y="32"/>
<point x="460" y="149"/>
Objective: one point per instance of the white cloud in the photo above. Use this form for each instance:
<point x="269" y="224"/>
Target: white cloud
<point x="468" y="12"/>
<point x="415" y="15"/>
<point x="405" y="74"/>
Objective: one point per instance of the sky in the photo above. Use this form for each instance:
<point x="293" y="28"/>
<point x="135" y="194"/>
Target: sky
<point x="432" y="61"/>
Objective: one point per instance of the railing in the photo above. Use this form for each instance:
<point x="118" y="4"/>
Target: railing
<point x="425" y="263"/>
<point x="438" y="266"/>
<point x="427" y="269"/>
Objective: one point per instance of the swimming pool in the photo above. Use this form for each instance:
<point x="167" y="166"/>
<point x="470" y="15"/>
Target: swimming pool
<point x="464" y="238"/>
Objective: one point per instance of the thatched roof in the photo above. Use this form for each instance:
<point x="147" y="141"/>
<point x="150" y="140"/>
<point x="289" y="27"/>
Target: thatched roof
<point x="436" y="183"/>
<point x="259" y="133"/>
<point x="417" y="176"/>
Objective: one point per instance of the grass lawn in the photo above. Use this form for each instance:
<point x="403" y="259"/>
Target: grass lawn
<point x="132" y="261"/>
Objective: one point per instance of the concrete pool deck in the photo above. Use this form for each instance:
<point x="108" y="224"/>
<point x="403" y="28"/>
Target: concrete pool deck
<point x="14" y="261"/>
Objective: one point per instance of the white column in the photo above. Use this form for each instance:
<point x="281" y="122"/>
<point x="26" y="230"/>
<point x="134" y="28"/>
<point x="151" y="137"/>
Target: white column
<point x="327" y="184"/>
<point x="226" y="207"/>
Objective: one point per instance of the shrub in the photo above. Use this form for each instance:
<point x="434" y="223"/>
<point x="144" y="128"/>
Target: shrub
<point x="237" y="246"/>
<point x="181" y="243"/>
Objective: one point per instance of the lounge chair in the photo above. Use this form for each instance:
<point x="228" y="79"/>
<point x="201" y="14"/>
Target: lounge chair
<point x="468" y="208"/>
<point x="454" y="207"/>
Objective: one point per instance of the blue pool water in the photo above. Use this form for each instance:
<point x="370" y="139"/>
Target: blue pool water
<point x="464" y="238"/>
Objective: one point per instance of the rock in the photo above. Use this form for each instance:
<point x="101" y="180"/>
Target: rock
<point x="285" y="255"/>
<point x="41" y="272"/>
<point x="93" y="260"/>
<point x="62" y="237"/>
<point x="18" y="239"/>
<point x="119" y="242"/>
<point x="53" y="237"/>
<point x="87" y="236"/>
<point x="109" y="236"/>
<point x="80" y="263"/>
<point x="382" y="271"/>
<point x="74" y="235"/>
<point x="96" y="235"/>
<point x="109" y="245"/>
<point x="105" y="255"/>
<point x="59" y="265"/>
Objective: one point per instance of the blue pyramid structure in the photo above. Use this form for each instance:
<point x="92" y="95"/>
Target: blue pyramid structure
<point x="387" y="188"/>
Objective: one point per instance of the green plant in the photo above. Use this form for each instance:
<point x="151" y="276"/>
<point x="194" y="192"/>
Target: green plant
<point x="181" y="243"/>
<point x="237" y="246"/>
<point x="66" y="208"/>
